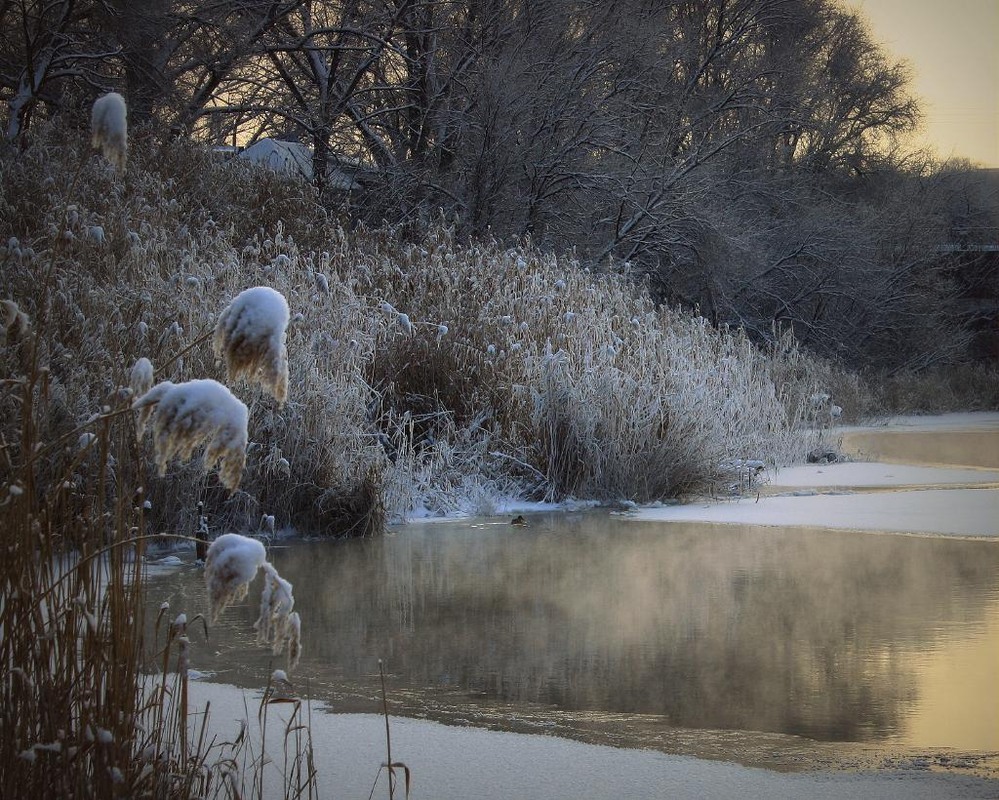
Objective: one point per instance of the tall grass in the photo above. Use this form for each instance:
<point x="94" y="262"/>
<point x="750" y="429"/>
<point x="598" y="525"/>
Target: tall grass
<point x="79" y="716"/>
<point x="431" y="373"/>
<point x="88" y="706"/>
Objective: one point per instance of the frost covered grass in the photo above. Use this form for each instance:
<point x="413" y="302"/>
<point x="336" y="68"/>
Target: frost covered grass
<point x="90" y="706"/>
<point x="431" y="374"/>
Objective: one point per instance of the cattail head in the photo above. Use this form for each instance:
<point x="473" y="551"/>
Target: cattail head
<point x="250" y="335"/>
<point x="231" y="564"/>
<point x="109" y="128"/>
<point x="200" y="412"/>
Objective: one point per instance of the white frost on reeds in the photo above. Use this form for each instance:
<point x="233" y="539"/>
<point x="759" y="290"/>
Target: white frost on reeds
<point x="109" y="128"/>
<point x="140" y="377"/>
<point x="140" y="381"/>
<point x="199" y="412"/>
<point x="230" y="565"/>
<point x="274" y="626"/>
<point x="250" y="335"/>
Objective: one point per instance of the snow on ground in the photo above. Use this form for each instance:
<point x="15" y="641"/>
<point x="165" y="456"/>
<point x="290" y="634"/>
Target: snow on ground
<point x="953" y="512"/>
<point x="815" y="496"/>
<point x="471" y="764"/>
<point x="874" y="475"/>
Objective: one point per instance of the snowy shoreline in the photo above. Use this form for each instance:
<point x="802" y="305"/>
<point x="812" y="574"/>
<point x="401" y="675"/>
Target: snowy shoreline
<point x="867" y="496"/>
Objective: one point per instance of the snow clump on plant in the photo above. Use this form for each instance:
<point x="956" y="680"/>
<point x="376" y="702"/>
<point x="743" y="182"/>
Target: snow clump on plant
<point x="15" y="322"/>
<point x="251" y="334"/>
<point x="187" y="415"/>
<point x="277" y="624"/>
<point x="231" y="565"/>
<point x="140" y="379"/>
<point x="109" y="128"/>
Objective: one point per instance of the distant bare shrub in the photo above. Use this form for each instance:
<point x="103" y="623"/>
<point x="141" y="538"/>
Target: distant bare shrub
<point x="967" y="387"/>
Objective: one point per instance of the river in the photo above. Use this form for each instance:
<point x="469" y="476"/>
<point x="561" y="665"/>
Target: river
<point x="789" y="647"/>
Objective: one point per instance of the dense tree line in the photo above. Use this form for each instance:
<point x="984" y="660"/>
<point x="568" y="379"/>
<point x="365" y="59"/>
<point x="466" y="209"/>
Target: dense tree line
<point x="746" y="157"/>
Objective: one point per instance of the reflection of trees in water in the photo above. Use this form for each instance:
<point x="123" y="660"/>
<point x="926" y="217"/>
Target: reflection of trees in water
<point x="712" y="626"/>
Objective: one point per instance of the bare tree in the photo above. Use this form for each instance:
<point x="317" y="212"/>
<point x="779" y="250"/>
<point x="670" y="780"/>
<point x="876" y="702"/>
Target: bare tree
<point x="49" y="48"/>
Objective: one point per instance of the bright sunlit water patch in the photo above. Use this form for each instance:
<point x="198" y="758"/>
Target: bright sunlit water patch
<point x="833" y="636"/>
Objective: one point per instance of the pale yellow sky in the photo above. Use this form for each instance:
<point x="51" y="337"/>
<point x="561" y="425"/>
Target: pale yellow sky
<point x="952" y="47"/>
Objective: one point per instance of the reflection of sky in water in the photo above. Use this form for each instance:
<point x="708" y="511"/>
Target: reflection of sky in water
<point x="833" y="636"/>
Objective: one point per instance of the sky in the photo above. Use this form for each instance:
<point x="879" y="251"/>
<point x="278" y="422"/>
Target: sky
<point x="952" y="48"/>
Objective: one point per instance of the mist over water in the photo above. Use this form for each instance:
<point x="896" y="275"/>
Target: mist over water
<point x="834" y="636"/>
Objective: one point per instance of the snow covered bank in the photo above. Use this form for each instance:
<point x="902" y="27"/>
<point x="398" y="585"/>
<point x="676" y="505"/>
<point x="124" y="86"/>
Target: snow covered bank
<point x="920" y="502"/>
<point x="470" y="763"/>
<point x="875" y="475"/>
<point x="953" y="512"/>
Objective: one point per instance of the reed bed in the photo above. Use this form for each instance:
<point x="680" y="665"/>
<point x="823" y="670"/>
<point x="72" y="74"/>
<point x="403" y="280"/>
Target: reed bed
<point x="410" y="372"/>
<point x="430" y="374"/>
<point x="88" y="706"/>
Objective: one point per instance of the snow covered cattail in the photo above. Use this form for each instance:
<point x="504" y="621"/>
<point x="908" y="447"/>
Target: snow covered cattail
<point x="140" y="379"/>
<point x="230" y="565"/>
<point x="109" y="128"/>
<point x="251" y="334"/>
<point x="187" y="415"/>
